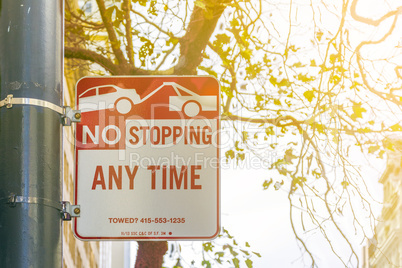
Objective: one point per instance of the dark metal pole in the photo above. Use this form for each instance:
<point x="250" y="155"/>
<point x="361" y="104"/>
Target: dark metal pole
<point x="31" y="58"/>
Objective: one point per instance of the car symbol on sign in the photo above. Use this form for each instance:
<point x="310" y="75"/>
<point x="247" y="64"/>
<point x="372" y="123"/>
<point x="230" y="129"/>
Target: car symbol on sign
<point x="112" y="96"/>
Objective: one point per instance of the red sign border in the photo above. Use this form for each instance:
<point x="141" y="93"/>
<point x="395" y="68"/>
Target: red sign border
<point x="152" y="238"/>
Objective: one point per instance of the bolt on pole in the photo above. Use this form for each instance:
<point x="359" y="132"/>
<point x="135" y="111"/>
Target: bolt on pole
<point x="31" y="67"/>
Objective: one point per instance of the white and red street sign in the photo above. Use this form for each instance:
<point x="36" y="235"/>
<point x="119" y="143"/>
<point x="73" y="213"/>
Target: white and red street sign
<point x="147" y="158"/>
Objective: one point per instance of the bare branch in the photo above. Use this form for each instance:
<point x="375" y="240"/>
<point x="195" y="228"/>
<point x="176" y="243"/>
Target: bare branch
<point x="112" y="34"/>
<point x="274" y="121"/>
<point x="398" y="71"/>
<point x="200" y="28"/>
<point x="94" y="25"/>
<point x="129" y="36"/>
<point x="313" y="264"/>
<point x="151" y="23"/>
<point x="353" y="12"/>
<point x="85" y="54"/>
<point x="113" y="69"/>
<point x="388" y="96"/>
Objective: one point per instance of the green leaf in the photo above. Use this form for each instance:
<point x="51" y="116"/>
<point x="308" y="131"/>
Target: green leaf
<point x="206" y="263"/>
<point x="273" y="80"/>
<point x="309" y="95"/>
<point x="277" y="102"/>
<point x="332" y="58"/>
<point x="234" y="23"/>
<point x="236" y="262"/>
<point x="320" y="128"/>
<point x="319" y="35"/>
<point x="313" y="63"/>
<point x="230" y="154"/>
<point x="220" y="254"/>
<point x="299" y="180"/>
<point x="221" y="39"/>
<point x="141" y="2"/>
<point x="316" y="173"/>
<point x="208" y="246"/>
<point x="228" y="91"/>
<point x="152" y="8"/>
<point x="358" y="111"/>
<point x="335" y="79"/>
<point x="265" y="185"/>
<point x="289" y="156"/>
<point x="246" y="53"/>
<point x="284" y="83"/>
<point x="305" y="78"/>
<point x="245" y="136"/>
<point x="270" y="131"/>
<point x="172" y="40"/>
<point x="253" y="70"/>
<point x="241" y="156"/>
<point x="396" y="127"/>
<point x="257" y="254"/>
<point x="258" y="98"/>
<point x="297" y="65"/>
<point x="245" y="252"/>
<point x="388" y="144"/>
<point x="249" y="263"/>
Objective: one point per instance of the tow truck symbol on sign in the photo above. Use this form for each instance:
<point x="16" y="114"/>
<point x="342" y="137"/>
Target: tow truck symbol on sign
<point x="125" y="99"/>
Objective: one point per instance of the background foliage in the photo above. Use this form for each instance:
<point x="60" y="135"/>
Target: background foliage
<point x="317" y="84"/>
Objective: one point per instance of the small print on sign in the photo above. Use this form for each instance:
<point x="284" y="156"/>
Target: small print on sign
<point x="147" y="158"/>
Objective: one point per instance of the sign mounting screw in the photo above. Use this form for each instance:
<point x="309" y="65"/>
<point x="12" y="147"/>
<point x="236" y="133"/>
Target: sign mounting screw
<point x="77" y="115"/>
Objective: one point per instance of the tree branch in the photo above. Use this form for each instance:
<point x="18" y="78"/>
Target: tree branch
<point x="398" y="71"/>
<point x="113" y="69"/>
<point x="200" y="28"/>
<point x="94" y="25"/>
<point x="129" y="36"/>
<point x="359" y="59"/>
<point x="274" y="121"/>
<point x="84" y="54"/>
<point x="111" y="33"/>
<point x="353" y="12"/>
<point x="313" y="264"/>
<point x="150" y="22"/>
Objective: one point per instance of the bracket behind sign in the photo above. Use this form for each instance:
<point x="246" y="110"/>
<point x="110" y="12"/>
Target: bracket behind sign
<point x="68" y="115"/>
<point x="66" y="210"/>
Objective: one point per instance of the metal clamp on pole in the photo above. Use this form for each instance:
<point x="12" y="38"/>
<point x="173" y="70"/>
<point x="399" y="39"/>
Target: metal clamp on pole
<point x="68" y="115"/>
<point x="13" y="199"/>
<point x="7" y="101"/>
<point x="68" y="211"/>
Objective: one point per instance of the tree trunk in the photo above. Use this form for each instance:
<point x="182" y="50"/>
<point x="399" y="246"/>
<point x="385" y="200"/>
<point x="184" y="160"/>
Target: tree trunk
<point x="150" y="254"/>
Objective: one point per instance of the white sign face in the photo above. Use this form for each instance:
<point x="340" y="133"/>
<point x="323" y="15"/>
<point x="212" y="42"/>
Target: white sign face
<point x="147" y="158"/>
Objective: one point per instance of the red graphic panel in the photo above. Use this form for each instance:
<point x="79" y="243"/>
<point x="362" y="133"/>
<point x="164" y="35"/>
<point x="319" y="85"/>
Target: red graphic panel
<point x="107" y="102"/>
